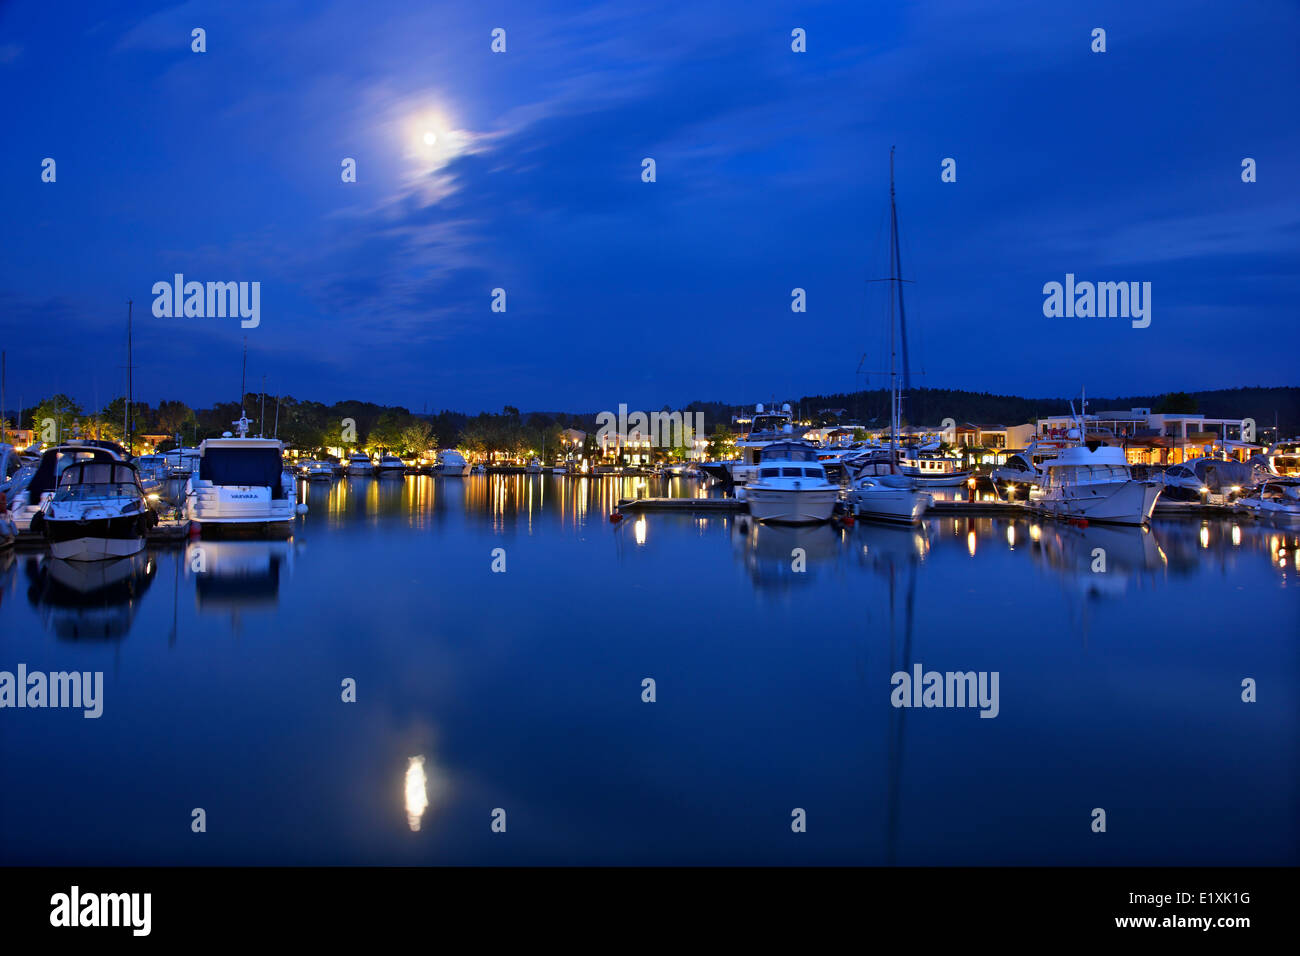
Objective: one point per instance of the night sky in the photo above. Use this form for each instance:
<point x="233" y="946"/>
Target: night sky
<point x="772" y="174"/>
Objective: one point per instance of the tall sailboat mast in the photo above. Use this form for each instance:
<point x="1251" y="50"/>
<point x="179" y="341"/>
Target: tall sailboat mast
<point x="127" y="423"/>
<point x="896" y="284"/>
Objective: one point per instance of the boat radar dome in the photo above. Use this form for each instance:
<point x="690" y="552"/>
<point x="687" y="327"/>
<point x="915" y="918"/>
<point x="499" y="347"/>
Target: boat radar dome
<point x="1072" y="434"/>
<point x="785" y="407"/>
<point x="227" y="435"/>
<point x="758" y="407"/>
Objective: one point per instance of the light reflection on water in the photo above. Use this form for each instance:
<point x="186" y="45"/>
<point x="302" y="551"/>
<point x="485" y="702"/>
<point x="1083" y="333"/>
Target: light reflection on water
<point x="1121" y="653"/>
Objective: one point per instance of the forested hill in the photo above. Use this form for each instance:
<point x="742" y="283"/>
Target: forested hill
<point x="932" y="405"/>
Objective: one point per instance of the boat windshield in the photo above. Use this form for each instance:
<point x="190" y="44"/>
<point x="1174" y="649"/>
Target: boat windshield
<point x="100" y="480"/>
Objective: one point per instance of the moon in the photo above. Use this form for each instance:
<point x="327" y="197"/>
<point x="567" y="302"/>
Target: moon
<point x="429" y="138"/>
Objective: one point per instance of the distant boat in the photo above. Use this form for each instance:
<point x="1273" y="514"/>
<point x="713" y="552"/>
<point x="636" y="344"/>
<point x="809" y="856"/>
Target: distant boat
<point x="316" y="471"/>
<point x="390" y="466"/>
<point x="181" y="462"/>
<point x="1276" y="501"/>
<point x="534" y="467"/>
<point x="452" y="464"/>
<point x="359" y="464"/>
<point x="98" y="512"/>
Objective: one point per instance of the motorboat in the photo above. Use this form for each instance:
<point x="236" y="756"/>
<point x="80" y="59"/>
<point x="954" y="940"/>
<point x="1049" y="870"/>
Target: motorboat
<point x="534" y="467"/>
<point x="241" y="482"/>
<point x="97" y="512"/>
<point x="181" y="462"/>
<point x="791" y="486"/>
<point x="888" y="498"/>
<point x="452" y="464"/>
<point x="358" y="464"/>
<point x="1193" y="479"/>
<point x="1276" y="501"/>
<point x="152" y="471"/>
<point x="1093" y="481"/>
<point x="31" y="488"/>
<point x="316" y="471"/>
<point x="1023" y="468"/>
<point x="390" y="466"/>
<point x="928" y="469"/>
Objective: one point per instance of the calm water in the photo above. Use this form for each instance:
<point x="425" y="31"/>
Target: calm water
<point x="523" y="690"/>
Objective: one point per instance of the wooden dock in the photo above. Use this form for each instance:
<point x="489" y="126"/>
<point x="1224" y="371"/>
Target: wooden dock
<point x="977" y="508"/>
<point x="682" y="505"/>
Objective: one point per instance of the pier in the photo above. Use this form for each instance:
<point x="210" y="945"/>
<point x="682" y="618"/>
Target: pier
<point x="686" y="505"/>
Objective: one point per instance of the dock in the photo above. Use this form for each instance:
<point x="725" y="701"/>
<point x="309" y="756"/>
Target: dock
<point x="169" y="529"/>
<point x="977" y="508"/>
<point x="682" y="505"/>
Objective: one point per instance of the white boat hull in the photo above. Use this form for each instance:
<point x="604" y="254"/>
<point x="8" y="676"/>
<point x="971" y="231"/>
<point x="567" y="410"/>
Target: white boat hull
<point x="880" y="503"/>
<point x="1128" y="502"/>
<point x="96" y="549"/>
<point x="789" y="506"/>
<point x="453" y="471"/>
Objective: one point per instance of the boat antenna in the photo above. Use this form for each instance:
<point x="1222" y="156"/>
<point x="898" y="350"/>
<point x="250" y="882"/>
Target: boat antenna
<point x="243" y="375"/>
<point x="261" y="428"/>
<point x="3" y="403"/>
<point x="277" y="415"/>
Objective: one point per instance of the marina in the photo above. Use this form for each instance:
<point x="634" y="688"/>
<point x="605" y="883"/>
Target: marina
<point x="190" y="623"/>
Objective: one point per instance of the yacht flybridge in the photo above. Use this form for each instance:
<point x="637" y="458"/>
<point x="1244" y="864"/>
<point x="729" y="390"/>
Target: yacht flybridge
<point x="241" y="482"/>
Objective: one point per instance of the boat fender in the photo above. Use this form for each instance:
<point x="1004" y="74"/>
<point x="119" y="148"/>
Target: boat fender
<point x="615" y="517"/>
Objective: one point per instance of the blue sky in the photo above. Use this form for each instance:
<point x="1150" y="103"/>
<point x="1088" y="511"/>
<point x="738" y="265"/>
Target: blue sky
<point x="772" y="173"/>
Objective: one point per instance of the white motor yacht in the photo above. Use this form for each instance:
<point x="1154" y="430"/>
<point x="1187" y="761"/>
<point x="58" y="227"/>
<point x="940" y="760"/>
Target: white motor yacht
<point x="791" y="486"/>
<point x="390" y="466"/>
<point x="241" y="481"/>
<point x="358" y="464"/>
<point x="451" y="463"/>
<point x="1276" y="501"/>
<point x="1094" y="481"/>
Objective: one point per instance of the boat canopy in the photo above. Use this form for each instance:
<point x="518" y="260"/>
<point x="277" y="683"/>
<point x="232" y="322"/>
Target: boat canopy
<point x="258" y="467"/>
<point x="56" y="460"/>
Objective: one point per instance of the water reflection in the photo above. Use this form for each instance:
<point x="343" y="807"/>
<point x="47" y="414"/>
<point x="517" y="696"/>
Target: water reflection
<point x="781" y="556"/>
<point x="95" y="600"/>
<point x="417" y="792"/>
<point x="237" y="576"/>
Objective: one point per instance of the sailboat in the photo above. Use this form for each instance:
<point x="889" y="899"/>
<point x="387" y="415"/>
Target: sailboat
<point x="879" y="491"/>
